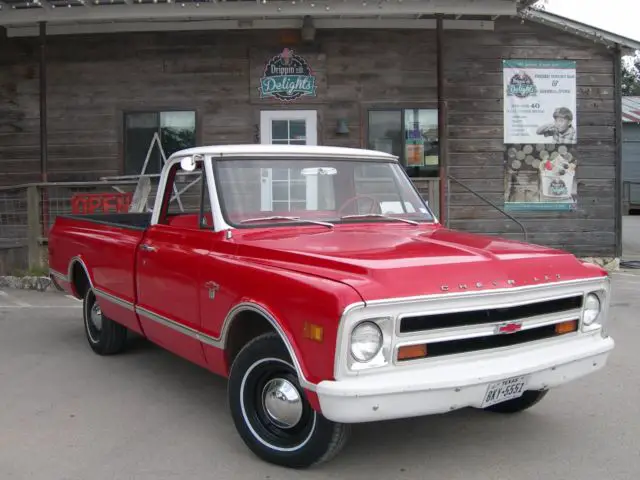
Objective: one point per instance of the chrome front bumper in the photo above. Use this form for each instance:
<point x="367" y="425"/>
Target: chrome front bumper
<point x="445" y="385"/>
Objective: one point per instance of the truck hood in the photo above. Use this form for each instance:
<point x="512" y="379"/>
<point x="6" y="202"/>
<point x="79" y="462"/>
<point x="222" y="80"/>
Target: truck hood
<point x="391" y="261"/>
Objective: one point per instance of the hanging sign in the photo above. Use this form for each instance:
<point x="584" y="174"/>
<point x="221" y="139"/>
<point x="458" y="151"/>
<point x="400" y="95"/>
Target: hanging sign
<point x="287" y="77"/>
<point x="540" y="101"/>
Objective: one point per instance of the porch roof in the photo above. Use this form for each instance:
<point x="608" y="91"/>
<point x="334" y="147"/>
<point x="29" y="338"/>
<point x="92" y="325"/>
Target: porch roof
<point x="21" y="17"/>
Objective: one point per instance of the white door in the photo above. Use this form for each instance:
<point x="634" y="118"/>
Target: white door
<point x="285" y="189"/>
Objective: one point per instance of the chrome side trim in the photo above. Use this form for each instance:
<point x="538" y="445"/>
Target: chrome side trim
<point x="221" y="342"/>
<point x="112" y="298"/>
<point x="178" y="327"/>
<point x="58" y="275"/>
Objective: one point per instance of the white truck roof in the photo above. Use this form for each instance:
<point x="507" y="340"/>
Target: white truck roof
<point x="315" y="151"/>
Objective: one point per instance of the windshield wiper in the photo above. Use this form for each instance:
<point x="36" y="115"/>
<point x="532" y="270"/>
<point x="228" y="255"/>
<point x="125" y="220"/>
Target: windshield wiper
<point x="378" y="215"/>
<point x="282" y="217"/>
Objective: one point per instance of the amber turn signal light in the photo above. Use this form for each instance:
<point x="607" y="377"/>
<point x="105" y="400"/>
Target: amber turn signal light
<point x="313" y="332"/>
<point x="410" y="352"/>
<point x="566" y="327"/>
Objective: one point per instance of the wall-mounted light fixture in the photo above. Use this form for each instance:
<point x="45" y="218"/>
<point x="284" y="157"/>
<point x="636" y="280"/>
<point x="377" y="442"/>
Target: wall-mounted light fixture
<point x="308" y="31"/>
<point x="342" y="128"/>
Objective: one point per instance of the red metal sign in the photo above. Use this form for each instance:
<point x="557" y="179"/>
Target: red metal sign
<point x="88" y="203"/>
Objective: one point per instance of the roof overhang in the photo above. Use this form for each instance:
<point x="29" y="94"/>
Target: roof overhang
<point x="598" y="35"/>
<point x="21" y="17"/>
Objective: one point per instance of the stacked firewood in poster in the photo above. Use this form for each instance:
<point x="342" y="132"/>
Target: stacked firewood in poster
<point x="533" y="171"/>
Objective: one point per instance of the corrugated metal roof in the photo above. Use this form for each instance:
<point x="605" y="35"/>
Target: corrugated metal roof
<point x="631" y="109"/>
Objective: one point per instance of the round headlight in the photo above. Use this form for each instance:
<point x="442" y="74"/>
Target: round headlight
<point x="366" y="341"/>
<point x="591" y="309"/>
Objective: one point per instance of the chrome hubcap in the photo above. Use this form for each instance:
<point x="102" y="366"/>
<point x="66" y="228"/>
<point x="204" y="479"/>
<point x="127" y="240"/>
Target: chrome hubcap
<point x="282" y="402"/>
<point x="96" y="316"/>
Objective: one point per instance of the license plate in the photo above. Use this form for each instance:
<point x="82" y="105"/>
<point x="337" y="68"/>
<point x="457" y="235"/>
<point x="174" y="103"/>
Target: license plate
<point x="504" y="390"/>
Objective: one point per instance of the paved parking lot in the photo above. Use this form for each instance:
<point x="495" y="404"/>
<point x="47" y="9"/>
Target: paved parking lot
<point x="66" y="413"/>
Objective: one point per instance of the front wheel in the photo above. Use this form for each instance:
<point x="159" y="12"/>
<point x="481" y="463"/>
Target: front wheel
<point x="105" y="336"/>
<point x="271" y="413"/>
<point x="516" y="405"/>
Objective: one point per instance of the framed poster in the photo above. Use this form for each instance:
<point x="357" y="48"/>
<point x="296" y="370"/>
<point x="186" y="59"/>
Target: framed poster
<point x="540" y="101"/>
<point x="540" y="134"/>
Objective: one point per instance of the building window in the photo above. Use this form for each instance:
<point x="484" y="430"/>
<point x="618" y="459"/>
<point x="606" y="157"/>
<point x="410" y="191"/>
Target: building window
<point x="176" y="130"/>
<point x="409" y="133"/>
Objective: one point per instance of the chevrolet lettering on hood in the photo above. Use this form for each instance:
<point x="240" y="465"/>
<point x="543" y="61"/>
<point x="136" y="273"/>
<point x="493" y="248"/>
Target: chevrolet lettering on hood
<point x="463" y="286"/>
<point x="312" y="278"/>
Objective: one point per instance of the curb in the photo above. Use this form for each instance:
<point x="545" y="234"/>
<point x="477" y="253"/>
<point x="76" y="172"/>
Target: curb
<point x="40" y="284"/>
<point x="608" y="263"/>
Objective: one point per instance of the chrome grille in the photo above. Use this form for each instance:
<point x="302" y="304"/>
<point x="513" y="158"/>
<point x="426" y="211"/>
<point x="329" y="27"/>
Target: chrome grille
<point x="425" y="323"/>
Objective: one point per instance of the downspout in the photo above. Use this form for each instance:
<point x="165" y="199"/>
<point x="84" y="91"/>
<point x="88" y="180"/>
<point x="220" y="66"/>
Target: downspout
<point x="442" y="120"/>
<point x="617" y="78"/>
<point x="43" y="101"/>
<point x="43" y="127"/>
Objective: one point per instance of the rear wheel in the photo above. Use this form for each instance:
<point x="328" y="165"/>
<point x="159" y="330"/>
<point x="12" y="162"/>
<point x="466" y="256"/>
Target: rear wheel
<point x="105" y="336"/>
<point x="516" y="405"/>
<point x="271" y="413"/>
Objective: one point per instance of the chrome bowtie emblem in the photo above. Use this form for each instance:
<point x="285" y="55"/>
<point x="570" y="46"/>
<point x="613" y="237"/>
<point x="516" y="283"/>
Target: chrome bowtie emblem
<point x="507" y="328"/>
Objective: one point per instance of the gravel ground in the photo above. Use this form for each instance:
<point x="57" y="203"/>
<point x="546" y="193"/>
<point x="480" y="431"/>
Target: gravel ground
<point x="66" y="413"/>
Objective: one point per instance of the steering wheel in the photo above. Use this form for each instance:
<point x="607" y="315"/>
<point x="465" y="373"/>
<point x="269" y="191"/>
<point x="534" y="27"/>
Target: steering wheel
<point x="374" y="203"/>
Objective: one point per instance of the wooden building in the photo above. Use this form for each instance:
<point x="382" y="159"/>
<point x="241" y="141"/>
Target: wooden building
<point x="85" y="85"/>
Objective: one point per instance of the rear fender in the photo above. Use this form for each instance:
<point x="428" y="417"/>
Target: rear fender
<point x="71" y="279"/>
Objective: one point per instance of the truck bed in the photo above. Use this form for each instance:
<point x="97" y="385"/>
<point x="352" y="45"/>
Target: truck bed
<point x="105" y="247"/>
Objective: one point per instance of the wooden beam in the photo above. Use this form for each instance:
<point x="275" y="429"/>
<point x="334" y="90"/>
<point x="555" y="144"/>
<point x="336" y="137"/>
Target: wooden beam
<point x="291" y="23"/>
<point x="180" y="11"/>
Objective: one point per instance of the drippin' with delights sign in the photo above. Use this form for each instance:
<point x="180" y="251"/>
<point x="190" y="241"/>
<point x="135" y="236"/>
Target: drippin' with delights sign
<point x="287" y="77"/>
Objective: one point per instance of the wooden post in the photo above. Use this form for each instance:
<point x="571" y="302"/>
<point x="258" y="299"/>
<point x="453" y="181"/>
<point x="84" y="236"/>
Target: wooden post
<point x="43" y="101"/>
<point x="34" y="228"/>
<point x="617" y="106"/>
<point x="442" y="119"/>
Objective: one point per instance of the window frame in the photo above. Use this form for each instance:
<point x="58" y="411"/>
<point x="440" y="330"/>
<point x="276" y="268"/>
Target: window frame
<point x="367" y="108"/>
<point x="122" y="126"/>
<point x="165" y="214"/>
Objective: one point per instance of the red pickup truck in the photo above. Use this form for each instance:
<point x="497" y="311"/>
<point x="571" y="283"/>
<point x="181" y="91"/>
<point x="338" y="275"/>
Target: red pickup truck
<point x="321" y="284"/>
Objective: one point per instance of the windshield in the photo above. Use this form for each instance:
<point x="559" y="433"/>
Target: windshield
<point x="273" y="191"/>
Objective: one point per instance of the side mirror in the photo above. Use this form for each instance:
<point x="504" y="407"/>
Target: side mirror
<point x="188" y="164"/>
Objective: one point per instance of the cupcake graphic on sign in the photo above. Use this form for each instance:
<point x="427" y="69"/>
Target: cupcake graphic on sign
<point x="287" y="77"/>
<point x="557" y="174"/>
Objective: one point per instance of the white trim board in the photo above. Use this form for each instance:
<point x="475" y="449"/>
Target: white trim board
<point x="247" y="10"/>
<point x="263" y="24"/>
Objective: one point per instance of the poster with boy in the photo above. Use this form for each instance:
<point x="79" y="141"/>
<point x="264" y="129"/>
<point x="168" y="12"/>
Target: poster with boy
<point x="540" y="134"/>
<point x="540" y="101"/>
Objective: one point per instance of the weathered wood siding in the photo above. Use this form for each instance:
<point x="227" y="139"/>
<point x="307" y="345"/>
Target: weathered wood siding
<point x="93" y="79"/>
<point x="473" y="87"/>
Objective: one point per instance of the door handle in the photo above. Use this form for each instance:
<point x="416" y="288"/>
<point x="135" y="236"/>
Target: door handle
<point x="147" y="248"/>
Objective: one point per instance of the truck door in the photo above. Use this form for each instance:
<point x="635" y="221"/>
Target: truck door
<point x="169" y="266"/>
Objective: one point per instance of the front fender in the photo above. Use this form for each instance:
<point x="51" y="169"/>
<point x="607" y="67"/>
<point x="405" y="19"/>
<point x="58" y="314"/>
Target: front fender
<point x="290" y="301"/>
